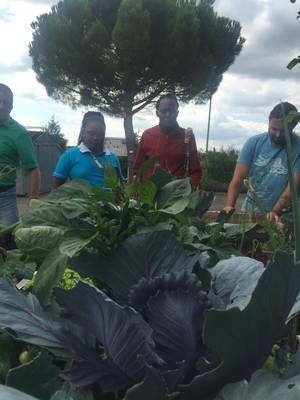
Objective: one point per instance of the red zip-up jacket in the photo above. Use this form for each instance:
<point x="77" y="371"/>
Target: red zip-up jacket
<point x="170" y="149"/>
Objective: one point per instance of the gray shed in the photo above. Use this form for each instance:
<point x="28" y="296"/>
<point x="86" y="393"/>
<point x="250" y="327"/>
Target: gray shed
<point x="47" y="153"/>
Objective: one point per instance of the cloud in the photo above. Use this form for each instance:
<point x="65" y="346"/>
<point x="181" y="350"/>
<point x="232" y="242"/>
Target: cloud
<point x="5" y="14"/>
<point x="35" y="2"/>
<point x="256" y="81"/>
<point x="22" y="64"/>
<point x="271" y="31"/>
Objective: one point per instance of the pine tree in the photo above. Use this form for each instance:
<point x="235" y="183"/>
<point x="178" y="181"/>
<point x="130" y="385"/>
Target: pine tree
<point x="54" y="129"/>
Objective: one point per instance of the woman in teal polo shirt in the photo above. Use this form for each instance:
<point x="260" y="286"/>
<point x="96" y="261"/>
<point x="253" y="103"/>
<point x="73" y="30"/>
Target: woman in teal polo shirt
<point x="87" y="160"/>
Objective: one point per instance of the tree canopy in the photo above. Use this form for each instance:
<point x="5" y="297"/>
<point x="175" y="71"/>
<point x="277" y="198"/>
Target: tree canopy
<point x="54" y="129"/>
<point x="119" y="55"/>
<point x="294" y="61"/>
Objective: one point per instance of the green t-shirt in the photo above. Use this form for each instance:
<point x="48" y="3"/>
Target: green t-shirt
<point x="16" y="149"/>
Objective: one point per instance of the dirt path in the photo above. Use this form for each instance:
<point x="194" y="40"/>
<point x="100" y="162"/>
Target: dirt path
<point x="218" y="203"/>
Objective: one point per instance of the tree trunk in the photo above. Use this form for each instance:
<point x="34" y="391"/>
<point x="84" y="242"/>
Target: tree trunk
<point x="130" y="142"/>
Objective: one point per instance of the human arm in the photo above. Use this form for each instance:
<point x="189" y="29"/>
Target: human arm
<point x="285" y="197"/>
<point x="28" y="161"/>
<point x="62" y="170"/>
<point x="240" y="173"/>
<point x="195" y="169"/>
<point x="57" y="182"/>
<point x="33" y="183"/>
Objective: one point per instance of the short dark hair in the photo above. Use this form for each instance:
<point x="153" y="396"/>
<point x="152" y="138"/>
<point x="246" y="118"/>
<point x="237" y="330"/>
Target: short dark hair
<point x="283" y="109"/>
<point x="88" y="117"/>
<point x="168" y="96"/>
<point x="7" y="90"/>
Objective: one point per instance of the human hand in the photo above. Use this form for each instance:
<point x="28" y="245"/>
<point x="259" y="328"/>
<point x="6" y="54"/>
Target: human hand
<point x="273" y="216"/>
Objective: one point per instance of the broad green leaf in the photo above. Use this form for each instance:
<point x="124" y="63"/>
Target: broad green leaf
<point x="161" y="177"/>
<point x="131" y="189"/>
<point x="293" y="63"/>
<point x="146" y="165"/>
<point x="147" y="192"/>
<point x="74" y="208"/>
<point x="14" y="267"/>
<point x="38" y="240"/>
<point x="47" y="216"/>
<point x="70" y="189"/>
<point x="173" y="198"/>
<point x="242" y="339"/>
<point x="37" y="203"/>
<point x="235" y="230"/>
<point x="99" y="194"/>
<point x="7" y="348"/>
<point x="160" y="226"/>
<point x="139" y="256"/>
<point x="111" y="178"/>
<point x="49" y="275"/>
<point x="73" y="245"/>
<point x="263" y="385"/>
<point x="191" y="234"/>
<point x="200" y="202"/>
<point x="6" y="229"/>
<point x="37" y="377"/>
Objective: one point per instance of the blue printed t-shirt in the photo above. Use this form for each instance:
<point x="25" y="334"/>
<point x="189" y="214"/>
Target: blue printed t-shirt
<point x="268" y="169"/>
<point x="78" y="163"/>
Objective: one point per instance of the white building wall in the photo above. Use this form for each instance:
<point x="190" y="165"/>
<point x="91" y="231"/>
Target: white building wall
<point x="117" y="146"/>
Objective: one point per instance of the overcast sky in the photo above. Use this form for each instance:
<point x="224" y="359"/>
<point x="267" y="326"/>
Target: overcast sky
<point x="256" y="81"/>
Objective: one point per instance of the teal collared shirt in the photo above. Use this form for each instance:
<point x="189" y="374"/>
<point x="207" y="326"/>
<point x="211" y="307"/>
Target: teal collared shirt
<point x="79" y="163"/>
<point x="16" y="149"/>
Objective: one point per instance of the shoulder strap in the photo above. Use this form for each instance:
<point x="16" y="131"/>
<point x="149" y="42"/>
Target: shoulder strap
<point x="99" y="165"/>
<point x="187" y="136"/>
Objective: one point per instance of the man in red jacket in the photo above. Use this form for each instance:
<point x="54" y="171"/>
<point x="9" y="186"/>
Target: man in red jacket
<point x="175" y="146"/>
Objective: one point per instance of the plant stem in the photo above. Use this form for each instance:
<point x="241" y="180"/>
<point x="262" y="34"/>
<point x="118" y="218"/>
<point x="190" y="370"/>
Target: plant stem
<point x="294" y="194"/>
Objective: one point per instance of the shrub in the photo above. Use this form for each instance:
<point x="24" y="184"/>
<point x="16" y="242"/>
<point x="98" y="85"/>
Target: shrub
<point x="218" y="167"/>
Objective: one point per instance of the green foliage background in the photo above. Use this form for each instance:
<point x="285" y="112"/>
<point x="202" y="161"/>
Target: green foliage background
<point x="218" y="167"/>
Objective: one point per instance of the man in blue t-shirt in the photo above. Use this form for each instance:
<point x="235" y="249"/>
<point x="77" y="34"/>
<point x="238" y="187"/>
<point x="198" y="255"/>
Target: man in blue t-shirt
<point x="264" y="160"/>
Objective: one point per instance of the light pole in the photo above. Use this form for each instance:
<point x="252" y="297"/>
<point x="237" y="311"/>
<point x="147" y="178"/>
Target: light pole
<point x="208" y="124"/>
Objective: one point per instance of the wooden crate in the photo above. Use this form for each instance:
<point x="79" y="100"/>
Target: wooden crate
<point x="236" y="218"/>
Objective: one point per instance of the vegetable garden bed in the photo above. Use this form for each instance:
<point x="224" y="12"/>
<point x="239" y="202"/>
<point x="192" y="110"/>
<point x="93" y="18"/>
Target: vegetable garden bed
<point x="136" y="296"/>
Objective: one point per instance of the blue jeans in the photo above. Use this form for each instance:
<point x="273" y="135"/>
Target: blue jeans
<point x="9" y="213"/>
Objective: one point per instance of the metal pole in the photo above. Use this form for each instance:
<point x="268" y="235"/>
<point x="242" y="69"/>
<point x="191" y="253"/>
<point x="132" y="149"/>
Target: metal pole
<point x="208" y="124"/>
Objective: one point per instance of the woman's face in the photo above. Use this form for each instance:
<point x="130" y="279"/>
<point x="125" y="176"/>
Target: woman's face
<point x="93" y="136"/>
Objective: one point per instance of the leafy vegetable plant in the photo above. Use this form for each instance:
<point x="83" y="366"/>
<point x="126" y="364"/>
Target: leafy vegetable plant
<point x="162" y="322"/>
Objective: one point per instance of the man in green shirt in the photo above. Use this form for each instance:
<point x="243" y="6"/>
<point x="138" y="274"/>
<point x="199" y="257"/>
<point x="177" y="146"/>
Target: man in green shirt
<point x="16" y="149"/>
